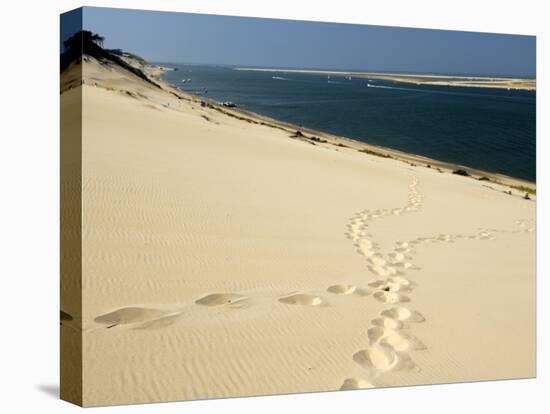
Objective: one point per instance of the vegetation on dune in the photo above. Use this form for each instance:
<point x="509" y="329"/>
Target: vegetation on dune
<point x="85" y="42"/>
<point x="378" y="154"/>
<point x="461" y="172"/>
<point x="524" y="189"/>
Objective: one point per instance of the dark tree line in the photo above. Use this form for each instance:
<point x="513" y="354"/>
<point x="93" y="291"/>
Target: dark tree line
<point x="85" y="42"/>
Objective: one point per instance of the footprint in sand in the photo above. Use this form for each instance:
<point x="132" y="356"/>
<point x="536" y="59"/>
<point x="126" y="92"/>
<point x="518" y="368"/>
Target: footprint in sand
<point x="399" y="341"/>
<point x="382" y="358"/>
<point x="302" y="299"/>
<point x="348" y="290"/>
<point x="390" y="297"/>
<point x="400" y="313"/>
<point x="390" y="285"/>
<point x="366" y="248"/>
<point x="388" y="323"/>
<point x="396" y="257"/>
<point x="356" y="383"/>
<point x="383" y="271"/>
<point x="137" y="317"/>
<point x="342" y="289"/>
<point x="376" y="260"/>
<point x="404" y="282"/>
<point x="233" y="300"/>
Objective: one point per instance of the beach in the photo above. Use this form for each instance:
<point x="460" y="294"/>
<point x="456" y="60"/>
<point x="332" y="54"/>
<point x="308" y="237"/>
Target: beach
<point x="224" y="254"/>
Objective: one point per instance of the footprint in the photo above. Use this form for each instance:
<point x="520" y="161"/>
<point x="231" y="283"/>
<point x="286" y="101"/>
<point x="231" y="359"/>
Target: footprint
<point x="382" y="270"/>
<point x="405" y="250"/>
<point x="342" y="289"/>
<point x="388" y="323"/>
<point x="391" y="297"/>
<point x="401" y="313"/>
<point x="218" y="299"/>
<point x="379" y="358"/>
<point x="382" y="358"/>
<point x="399" y="341"/>
<point x="356" y="383"/>
<point x="302" y="299"/>
<point x="129" y="316"/>
<point x="401" y="281"/>
<point x="376" y="260"/>
<point x="397" y="257"/>
<point x="375" y="334"/>
<point x="390" y="285"/>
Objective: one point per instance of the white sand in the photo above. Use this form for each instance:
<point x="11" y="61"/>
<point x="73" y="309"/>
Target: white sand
<point x="223" y="258"/>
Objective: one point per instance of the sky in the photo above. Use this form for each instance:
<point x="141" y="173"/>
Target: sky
<point x="244" y="41"/>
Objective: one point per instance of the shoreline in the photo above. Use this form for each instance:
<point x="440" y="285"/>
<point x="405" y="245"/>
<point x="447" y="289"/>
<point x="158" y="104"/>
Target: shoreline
<point x="317" y="137"/>
<point x="420" y="79"/>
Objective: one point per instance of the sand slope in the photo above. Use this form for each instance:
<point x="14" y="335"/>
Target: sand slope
<point x="224" y="258"/>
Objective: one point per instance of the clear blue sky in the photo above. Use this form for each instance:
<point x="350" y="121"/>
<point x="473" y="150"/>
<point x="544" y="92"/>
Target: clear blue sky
<point x="195" y="38"/>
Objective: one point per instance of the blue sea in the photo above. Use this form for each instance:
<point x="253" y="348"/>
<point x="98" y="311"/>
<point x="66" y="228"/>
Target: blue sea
<point x="488" y="129"/>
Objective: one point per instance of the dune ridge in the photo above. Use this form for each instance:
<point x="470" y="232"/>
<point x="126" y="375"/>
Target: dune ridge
<point x="229" y="258"/>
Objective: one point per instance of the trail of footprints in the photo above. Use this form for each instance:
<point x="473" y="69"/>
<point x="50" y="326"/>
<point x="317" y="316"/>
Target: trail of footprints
<point x="388" y="344"/>
<point x="389" y="340"/>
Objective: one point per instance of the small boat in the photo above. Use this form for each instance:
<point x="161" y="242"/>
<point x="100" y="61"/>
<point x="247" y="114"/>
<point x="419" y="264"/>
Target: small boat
<point x="229" y="104"/>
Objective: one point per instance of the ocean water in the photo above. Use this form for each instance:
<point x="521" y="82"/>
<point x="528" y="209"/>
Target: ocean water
<point x="488" y="129"/>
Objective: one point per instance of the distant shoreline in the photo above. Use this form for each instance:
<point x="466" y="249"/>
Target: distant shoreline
<point x="317" y="137"/>
<point x="434" y="80"/>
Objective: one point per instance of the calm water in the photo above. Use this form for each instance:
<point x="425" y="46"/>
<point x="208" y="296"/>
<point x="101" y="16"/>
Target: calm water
<point x="488" y="129"/>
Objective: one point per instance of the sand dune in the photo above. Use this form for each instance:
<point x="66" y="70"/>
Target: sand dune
<point x="222" y="257"/>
